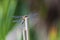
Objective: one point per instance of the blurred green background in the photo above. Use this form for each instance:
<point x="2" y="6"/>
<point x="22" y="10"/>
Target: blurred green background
<point x="9" y="8"/>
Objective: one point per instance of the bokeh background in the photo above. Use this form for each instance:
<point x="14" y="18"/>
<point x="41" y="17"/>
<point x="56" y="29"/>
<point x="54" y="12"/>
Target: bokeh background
<point x="43" y="23"/>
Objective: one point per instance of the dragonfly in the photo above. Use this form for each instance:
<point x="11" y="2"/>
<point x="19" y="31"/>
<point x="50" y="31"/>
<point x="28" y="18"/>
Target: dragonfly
<point x="19" y="28"/>
<point x="25" y="29"/>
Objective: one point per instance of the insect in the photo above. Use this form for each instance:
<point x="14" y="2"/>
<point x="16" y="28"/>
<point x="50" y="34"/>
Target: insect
<point x="24" y="19"/>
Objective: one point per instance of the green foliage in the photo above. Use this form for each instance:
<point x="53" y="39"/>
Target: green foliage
<point x="7" y="9"/>
<point x="32" y="35"/>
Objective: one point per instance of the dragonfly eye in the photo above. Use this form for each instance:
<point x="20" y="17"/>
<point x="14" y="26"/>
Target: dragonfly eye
<point x="26" y="16"/>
